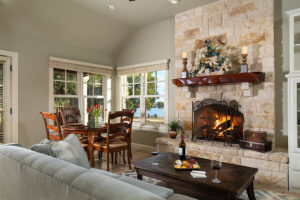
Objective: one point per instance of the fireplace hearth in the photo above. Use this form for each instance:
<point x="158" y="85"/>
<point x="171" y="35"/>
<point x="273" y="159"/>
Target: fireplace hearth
<point x="217" y="120"/>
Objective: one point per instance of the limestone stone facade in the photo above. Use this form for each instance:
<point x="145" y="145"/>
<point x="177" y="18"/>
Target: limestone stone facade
<point x="237" y="23"/>
<point x="272" y="166"/>
<point x="233" y="23"/>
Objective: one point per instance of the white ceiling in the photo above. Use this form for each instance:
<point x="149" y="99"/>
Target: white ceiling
<point x="86" y="24"/>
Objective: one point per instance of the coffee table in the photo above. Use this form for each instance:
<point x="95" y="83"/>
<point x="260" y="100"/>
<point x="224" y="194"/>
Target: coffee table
<point x="235" y="179"/>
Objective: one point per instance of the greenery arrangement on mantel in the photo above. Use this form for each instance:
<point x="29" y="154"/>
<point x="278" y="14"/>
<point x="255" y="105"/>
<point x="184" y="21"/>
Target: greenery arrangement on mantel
<point x="209" y="60"/>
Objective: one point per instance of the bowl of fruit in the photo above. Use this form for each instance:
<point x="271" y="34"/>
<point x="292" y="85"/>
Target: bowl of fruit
<point x="191" y="164"/>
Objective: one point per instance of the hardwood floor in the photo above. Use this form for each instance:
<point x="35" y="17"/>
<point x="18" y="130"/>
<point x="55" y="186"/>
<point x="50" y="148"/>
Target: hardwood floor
<point x="119" y="168"/>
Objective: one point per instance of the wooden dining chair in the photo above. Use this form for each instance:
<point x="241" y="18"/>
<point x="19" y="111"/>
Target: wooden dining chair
<point x="69" y="116"/>
<point x="112" y="143"/>
<point x="127" y="119"/>
<point x="52" y="126"/>
<point x="72" y="115"/>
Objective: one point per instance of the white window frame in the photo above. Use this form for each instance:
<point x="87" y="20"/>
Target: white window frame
<point x="142" y="124"/>
<point x="82" y="99"/>
<point x="85" y="97"/>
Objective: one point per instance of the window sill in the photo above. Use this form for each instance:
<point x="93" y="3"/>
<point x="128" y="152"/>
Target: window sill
<point x="160" y="128"/>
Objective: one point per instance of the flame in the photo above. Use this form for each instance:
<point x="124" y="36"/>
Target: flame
<point x="222" y="119"/>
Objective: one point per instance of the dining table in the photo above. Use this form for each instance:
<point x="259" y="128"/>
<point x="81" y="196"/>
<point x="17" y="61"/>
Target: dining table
<point x="91" y="133"/>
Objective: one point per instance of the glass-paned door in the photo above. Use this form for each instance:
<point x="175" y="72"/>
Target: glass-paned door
<point x="1" y="103"/>
<point x="4" y="99"/>
<point x="298" y="115"/>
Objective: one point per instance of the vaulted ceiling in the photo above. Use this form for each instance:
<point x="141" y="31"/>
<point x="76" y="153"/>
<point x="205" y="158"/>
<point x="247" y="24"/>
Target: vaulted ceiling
<point x="86" y="24"/>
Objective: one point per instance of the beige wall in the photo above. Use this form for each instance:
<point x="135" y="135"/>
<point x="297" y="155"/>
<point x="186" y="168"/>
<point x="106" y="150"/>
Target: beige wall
<point x="33" y="79"/>
<point x="281" y="68"/>
<point x="151" y="43"/>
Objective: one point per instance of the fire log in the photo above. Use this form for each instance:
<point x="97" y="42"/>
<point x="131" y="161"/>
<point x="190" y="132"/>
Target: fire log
<point x="223" y="126"/>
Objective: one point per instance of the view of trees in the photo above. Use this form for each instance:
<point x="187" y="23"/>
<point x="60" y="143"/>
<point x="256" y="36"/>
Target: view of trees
<point x="65" y="83"/>
<point x="134" y="88"/>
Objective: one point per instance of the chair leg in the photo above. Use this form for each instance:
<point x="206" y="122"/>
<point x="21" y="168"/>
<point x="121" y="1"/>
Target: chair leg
<point x="107" y="161"/>
<point x="128" y="157"/>
<point x="116" y="157"/>
<point x="99" y="155"/>
<point x="124" y="160"/>
<point x="112" y="157"/>
<point x="87" y="153"/>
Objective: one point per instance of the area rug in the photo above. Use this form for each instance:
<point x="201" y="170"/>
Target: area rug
<point x="260" y="194"/>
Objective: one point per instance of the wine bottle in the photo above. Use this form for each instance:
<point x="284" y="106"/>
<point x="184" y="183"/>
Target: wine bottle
<point x="182" y="150"/>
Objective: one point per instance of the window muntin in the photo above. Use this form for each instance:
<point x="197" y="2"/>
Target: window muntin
<point x="92" y="91"/>
<point x="72" y="89"/>
<point x="131" y="92"/>
<point x="146" y="93"/>
<point x="64" y="82"/>
<point x="65" y="89"/>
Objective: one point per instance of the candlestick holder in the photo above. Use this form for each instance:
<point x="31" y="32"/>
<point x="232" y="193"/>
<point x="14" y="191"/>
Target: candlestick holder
<point x="244" y="65"/>
<point x="184" y="72"/>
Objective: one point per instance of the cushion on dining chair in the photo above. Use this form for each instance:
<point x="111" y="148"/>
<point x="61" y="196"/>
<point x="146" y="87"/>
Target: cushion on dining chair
<point x="70" y="150"/>
<point x="112" y="144"/>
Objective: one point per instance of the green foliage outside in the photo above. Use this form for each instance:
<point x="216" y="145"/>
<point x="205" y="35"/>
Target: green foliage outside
<point x="151" y="102"/>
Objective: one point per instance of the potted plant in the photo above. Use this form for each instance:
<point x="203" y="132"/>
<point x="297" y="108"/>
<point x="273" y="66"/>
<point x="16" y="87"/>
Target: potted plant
<point x="174" y="128"/>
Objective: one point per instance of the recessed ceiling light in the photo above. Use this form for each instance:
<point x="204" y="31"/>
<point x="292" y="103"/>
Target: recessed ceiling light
<point x="174" y="1"/>
<point x="110" y="7"/>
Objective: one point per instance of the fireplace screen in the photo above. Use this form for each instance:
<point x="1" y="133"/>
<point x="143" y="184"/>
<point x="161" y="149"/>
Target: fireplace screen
<point x="217" y="120"/>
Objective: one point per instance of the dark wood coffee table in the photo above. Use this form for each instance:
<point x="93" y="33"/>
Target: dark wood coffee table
<point x="235" y="179"/>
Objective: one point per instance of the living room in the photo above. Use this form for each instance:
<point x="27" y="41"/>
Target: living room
<point x="222" y="72"/>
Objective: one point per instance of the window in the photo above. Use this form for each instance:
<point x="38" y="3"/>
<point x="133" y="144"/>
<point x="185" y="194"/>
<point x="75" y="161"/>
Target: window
<point x="154" y="99"/>
<point x="65" y="89"/>
<point x="92" y="91"/>
<point x="132" y="93"/>
<point x="145" y="92"/>
<point x="72" y="89"/>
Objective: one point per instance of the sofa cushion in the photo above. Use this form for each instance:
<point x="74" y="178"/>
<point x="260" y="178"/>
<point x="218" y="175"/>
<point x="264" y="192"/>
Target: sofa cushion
<point x="105" y="187"/>
<point x="105" y="173"/>
<point x="12" y="144"/>
<point x="160" y="191"/>
<point x="70" y="150"/>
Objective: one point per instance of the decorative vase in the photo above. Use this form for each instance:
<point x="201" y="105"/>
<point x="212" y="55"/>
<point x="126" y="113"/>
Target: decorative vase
<point x="173" y="134"/>
<point x="93" y="122"/>
<point x="96" y="121"/>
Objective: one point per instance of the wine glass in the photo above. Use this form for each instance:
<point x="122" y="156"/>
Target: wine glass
<point x="216" y="165"/>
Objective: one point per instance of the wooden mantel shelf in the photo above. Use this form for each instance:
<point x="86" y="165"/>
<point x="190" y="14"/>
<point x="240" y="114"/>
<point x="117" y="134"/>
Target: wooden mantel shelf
<point x="253" y="77"/>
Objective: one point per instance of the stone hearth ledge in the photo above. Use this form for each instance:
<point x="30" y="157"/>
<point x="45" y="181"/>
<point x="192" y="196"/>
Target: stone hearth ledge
<point x="272" y="166"/>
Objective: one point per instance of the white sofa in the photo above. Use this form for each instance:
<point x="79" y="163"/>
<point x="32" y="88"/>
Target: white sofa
<point x="28" y="175"/>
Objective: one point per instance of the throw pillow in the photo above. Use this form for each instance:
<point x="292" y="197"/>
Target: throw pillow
<point x="70" y="150"/>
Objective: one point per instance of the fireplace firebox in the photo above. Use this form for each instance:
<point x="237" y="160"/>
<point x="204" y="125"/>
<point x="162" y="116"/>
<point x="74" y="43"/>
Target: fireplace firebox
<point x="217" y="120"/>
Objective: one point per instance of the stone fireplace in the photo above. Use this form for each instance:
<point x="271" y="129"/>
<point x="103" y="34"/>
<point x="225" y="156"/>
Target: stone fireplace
<point x="217" y="120"/>
<point x="232" y="24"/>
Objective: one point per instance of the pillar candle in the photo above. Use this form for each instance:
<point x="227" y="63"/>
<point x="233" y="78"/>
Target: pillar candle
<point x="244" y="50"/>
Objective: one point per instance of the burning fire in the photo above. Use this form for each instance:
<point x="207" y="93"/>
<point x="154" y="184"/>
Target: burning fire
<point x="223" y="124"/>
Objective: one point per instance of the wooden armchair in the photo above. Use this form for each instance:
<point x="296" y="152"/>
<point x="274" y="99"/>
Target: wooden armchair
<point x="115" y="131"/>
<point x="52" y="129"/>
